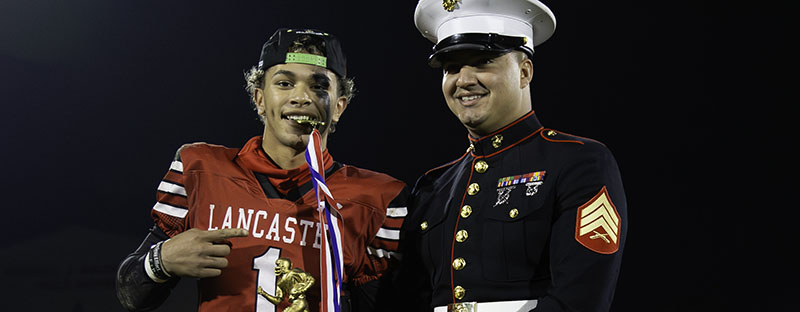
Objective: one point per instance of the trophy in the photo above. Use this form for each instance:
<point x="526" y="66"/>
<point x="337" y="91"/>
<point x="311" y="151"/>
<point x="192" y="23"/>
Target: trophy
<point x="292" y="282"/>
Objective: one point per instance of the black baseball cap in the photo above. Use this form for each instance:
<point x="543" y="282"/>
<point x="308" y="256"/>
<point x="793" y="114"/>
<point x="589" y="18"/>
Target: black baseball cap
<point x="275" y="51"/>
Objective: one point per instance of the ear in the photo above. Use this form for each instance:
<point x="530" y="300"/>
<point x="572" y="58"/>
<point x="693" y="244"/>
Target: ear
<point x="258" y="99"/>
<point x="339" y="107"/>
<point x="525" y="72"/>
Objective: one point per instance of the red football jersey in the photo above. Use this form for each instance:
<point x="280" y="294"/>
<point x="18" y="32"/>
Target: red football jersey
<point x="208" y="188"/>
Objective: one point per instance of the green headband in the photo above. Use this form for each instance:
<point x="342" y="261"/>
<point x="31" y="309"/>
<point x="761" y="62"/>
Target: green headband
<point x="304" y="58"/>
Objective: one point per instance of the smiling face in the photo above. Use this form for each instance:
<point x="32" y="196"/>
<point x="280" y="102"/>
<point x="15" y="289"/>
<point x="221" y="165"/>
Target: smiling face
<point x="294" y="92"/>
<point x="486" y="90"/>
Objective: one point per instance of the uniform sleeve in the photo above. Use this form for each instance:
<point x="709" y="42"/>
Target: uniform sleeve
<point x="136" y="291"/>
<point x="408" y="285"/>
<point x="588" y="233"/>
<point x="383" y="258"/>
<point x="383" y="250"/>
<point x="171" y="207"/>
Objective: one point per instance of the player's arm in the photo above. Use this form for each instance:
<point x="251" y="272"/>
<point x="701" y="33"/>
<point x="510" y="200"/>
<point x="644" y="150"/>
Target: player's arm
<point x="136" y="290"/>
<point x="144" y="281"/>
<point x="588" y="233"/>
<point x="412" y="285"/>
<point x="146" y="276"/>
<point x="383" y="259"/>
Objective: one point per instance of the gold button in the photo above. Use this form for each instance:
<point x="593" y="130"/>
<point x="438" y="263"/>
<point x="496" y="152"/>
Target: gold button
<point x="473" y="189"/>
<point x="466" y="211"/>
<point x="551" y="133"/>
<point x="459" y="263"/>
<point x="461" y="236"/>
<point x="481" y="166"/>
<point x="513" y="213"/>
<point x="459" y="292"/>
<point x="423" y="225"/>
<point x="497" y="141"/>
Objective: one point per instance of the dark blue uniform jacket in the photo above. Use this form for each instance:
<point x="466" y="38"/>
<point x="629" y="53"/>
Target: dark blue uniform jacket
<point x="526" y="213"/>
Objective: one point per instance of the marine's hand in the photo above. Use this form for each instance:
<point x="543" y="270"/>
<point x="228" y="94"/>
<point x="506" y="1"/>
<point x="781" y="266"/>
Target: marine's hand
<point x="198" y="253"/>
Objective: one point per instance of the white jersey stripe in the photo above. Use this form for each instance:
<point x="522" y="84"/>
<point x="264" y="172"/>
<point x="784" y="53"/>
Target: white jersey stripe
<point x="171" y="188"/>
<point x="382" y="253"/>
<point x="396" y="212"/>
<point x="171" y="210"/>
<point x="388" y="234"/>
<point x="176" y="165"/>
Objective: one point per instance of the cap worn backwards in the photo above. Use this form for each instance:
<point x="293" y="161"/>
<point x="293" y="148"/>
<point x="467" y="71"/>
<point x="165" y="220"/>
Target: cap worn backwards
<point x="276" y="51"/>
<point x="485" y="25"/>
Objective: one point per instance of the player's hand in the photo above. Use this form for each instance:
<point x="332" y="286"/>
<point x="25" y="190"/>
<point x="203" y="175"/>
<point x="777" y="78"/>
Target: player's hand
<point x="198" y="253"/>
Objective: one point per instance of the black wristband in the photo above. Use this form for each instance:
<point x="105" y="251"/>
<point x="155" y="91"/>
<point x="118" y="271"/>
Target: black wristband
<point x="156" y="265"/>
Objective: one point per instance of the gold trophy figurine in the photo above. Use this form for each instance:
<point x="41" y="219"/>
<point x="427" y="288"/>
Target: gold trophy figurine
<point x="295" y="282"/>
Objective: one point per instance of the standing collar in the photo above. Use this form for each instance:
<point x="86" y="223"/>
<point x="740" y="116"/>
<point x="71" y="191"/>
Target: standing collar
<point x="506" y="137"/>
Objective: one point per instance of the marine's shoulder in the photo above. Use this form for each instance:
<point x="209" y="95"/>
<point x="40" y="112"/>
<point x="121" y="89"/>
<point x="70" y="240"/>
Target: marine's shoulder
<point x="556" y="136"/>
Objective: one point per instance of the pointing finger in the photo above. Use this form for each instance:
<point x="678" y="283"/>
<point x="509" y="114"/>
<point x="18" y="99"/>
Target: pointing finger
<point x="217" y="235"/>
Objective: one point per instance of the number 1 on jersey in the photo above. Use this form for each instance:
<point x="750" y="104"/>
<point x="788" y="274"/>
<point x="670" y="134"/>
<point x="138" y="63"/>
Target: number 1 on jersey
<point x="265" y="266"/>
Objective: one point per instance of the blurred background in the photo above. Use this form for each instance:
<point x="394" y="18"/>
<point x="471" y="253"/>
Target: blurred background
<point x="694" y="99"/>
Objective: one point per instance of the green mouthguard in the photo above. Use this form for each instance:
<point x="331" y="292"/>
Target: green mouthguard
<point x="304" y="58"/>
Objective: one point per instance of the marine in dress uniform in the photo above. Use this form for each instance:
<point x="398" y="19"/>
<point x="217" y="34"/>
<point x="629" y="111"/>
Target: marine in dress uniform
<point x="529" y="218"/>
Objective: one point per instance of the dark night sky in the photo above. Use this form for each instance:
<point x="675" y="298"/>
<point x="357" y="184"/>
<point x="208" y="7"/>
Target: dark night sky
<point x="692" y="98"/>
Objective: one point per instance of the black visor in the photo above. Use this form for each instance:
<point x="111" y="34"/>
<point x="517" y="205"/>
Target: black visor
<point x="479" y="42"/>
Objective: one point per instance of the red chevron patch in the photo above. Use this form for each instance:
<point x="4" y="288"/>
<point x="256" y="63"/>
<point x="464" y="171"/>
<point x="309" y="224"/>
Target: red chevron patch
<point x="597" y="224"/>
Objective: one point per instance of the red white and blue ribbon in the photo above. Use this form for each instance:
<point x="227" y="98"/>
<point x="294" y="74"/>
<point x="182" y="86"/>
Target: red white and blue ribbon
<point x="331" y="256"/>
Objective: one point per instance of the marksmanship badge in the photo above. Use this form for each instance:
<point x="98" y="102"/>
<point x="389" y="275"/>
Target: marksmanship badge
<point x="502" y="195"/>
<point x="533" y="188"/>
<point x="598" y="224"/>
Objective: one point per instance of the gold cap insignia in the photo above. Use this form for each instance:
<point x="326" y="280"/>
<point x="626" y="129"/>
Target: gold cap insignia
<point x="449" y="5"/>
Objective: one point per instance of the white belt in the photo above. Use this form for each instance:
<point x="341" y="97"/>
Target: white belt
<point x="497" y="306"/>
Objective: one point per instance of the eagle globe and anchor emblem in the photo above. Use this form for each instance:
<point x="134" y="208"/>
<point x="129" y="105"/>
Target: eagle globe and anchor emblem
<point x="449" y="5"/>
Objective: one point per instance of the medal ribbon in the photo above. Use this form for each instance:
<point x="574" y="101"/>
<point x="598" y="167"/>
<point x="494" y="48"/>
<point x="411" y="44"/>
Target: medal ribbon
<point x="331" y="256"/>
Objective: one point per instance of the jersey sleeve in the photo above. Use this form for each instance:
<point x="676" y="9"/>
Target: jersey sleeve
<point x="136" y="291"/>
<point x="588" y="233"/>
<point x="171" y="207"/>
<point x="374" y="288"/>
<point x="382" y="250"/>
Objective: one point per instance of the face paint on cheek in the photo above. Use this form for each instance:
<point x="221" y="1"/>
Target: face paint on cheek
<point x="324" y="99"/>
